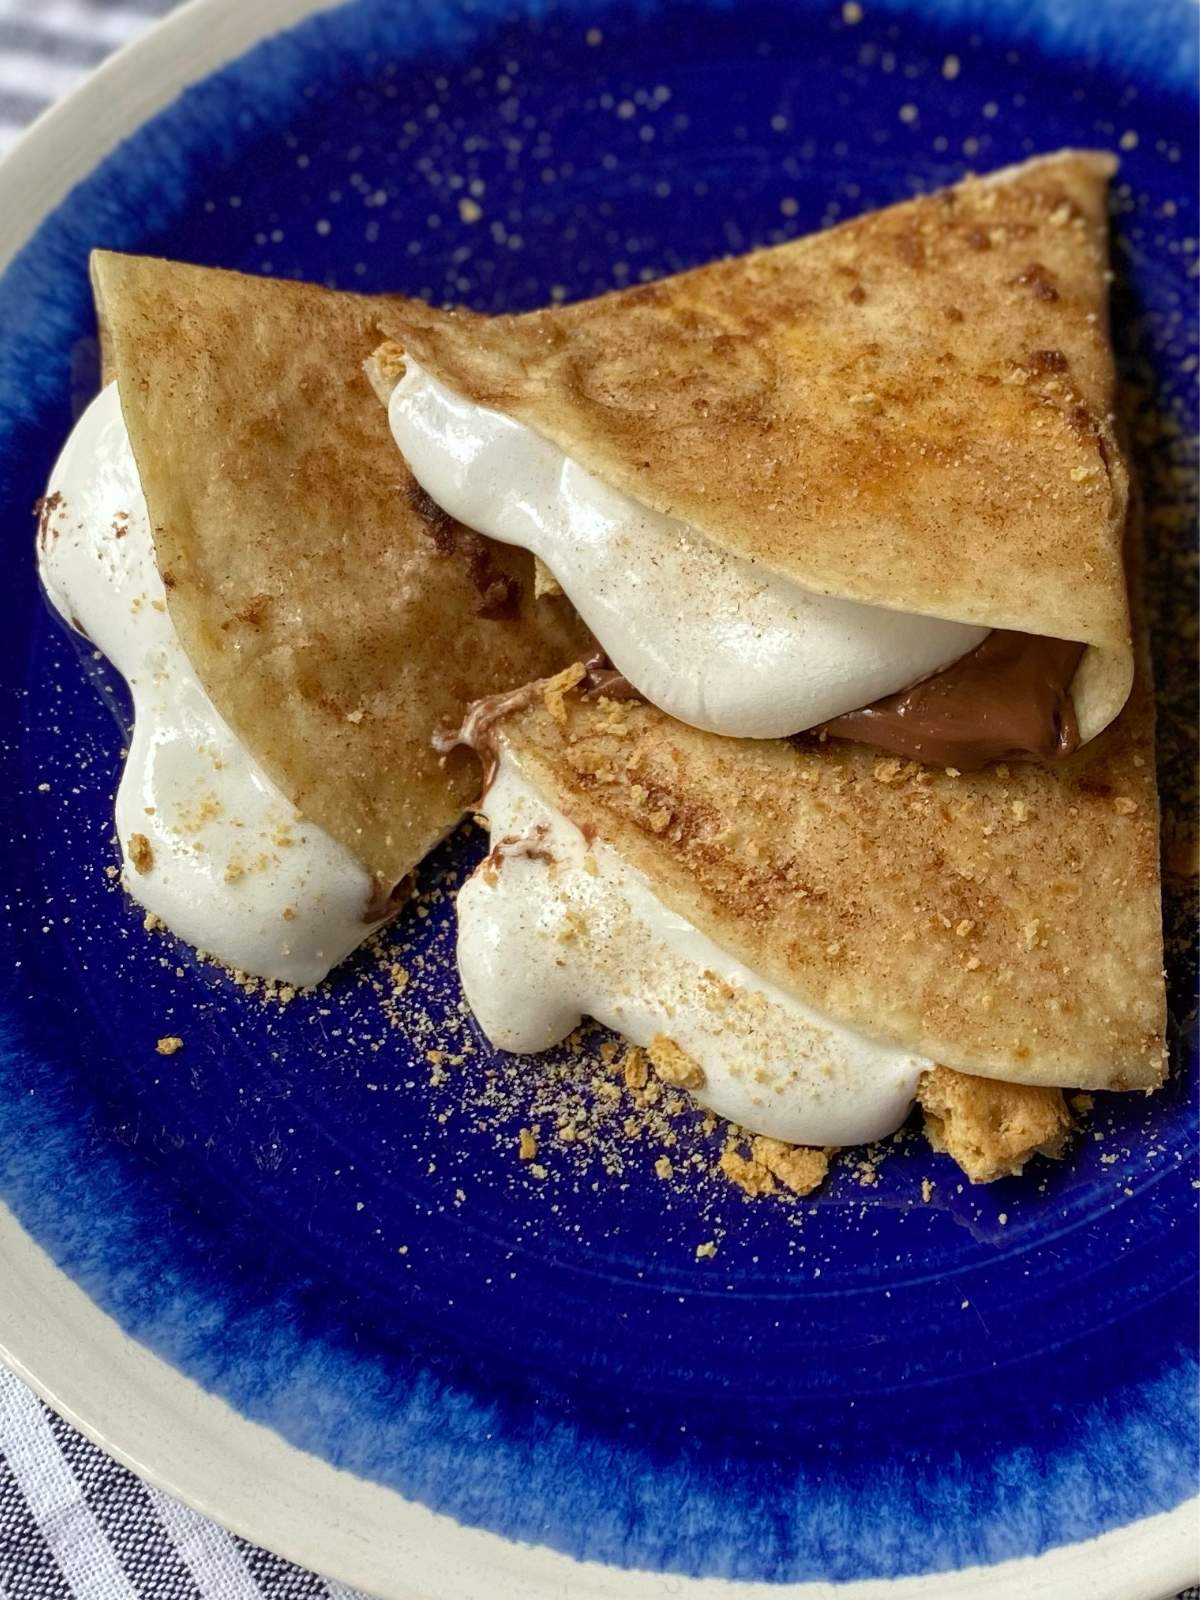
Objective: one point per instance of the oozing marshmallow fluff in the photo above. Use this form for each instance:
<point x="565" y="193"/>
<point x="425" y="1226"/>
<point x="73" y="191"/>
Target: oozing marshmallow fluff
<point x="712" y="639"/>
<point x="210" y="844"/>
<point x="551" y="929"/>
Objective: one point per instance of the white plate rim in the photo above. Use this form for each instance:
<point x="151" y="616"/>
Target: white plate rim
<point x="243" y="1475"/>
<point x="190" y="1443"/>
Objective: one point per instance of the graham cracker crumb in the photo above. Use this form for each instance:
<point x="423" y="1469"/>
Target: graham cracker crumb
<point x="893" y="771"/>
<point x="749" y="1175"/>
<point x="556" y="689"/>
<point x="141" y="852"/>
<point x="544" y="581"/>
<point x="169" y="1044"/>
<point x="866" y="1172"/>
<point x="1124" y="806"/>
<point x="635" y="1070"/>
<point x="706" y="1251"/>
<point x="799" y="1169"/>
<point x="663" y="1167"/>
<point x="673" y="1065"/>
<point x="526" y="1145"/>
<point x="990" y="1128"/>
<point x="926" y="1190"/>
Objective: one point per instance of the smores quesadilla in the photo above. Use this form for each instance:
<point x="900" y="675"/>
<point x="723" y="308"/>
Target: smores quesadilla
<point x="230" y="524"/>
<point x="810" y="937"/>
<point x="867" y="480"/>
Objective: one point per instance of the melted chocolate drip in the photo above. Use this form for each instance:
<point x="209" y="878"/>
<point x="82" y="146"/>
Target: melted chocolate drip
<point x="603" y="681"/>
<point x="1009" y="699"/>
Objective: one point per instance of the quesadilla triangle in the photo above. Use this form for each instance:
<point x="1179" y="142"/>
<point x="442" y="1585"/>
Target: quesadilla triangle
<point x="332" y="616"/>
<point x="801" y="935"/>
<point x="786" y="487"/>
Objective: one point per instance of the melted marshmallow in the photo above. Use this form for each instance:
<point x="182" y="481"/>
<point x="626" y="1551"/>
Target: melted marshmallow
<point x="235" y="871"/>
<point x="710" y="638"/>
<point x="550" y="930"/>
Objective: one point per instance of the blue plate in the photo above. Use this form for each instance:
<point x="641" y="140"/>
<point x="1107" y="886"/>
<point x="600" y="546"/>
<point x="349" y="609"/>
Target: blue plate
<point x="326" y="1226"/>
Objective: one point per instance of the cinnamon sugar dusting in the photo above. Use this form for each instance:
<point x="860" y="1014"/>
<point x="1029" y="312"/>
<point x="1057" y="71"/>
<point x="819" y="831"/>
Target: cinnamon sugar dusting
<point x="720" y="397"/>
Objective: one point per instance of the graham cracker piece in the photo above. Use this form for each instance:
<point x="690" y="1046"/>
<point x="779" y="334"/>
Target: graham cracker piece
<point x="990" y="1128"/>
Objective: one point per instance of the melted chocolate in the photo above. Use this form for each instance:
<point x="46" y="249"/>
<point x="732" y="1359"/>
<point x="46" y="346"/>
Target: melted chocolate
<point x="603" y="681"/>
<point x="1009" y="699"/>
<point x="478" y="730"/>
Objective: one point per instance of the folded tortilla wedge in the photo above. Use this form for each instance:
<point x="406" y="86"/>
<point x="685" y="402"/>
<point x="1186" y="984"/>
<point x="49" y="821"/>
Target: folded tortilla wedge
<point x="1004" y="923"/>
<point x="912" y="410"/>
<point x="335" y="617"/>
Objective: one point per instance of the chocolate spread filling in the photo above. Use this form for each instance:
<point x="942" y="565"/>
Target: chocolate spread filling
<point x="478" y="729"/>
<point x="1009" y="699"/>
<point x="603" y="681"/>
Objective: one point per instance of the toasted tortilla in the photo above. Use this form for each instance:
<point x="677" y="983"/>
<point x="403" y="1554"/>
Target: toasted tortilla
<point x="336" y="618"/>
<point x="1004" y="923"/>
<point x="912" y="410"/>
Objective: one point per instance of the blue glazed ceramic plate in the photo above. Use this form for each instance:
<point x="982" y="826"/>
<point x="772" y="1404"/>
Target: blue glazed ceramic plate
<point x="295" y="1273"/>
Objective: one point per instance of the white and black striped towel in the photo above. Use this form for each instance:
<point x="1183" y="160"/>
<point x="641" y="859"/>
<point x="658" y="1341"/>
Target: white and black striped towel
<point x="73" y="1524"/>
<point x="76" y="1526"/>
<point x="46" y="46"/>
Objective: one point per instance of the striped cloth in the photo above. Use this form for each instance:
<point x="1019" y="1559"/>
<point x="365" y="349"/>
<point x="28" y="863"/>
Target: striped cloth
<point x="76" y="1526"/>
<point x="73" y="1524"/>
<point x="46" y="46"/>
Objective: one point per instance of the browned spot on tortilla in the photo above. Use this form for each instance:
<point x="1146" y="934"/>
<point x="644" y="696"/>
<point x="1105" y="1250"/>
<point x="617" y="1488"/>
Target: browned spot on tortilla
<point x="1036" y="277"/>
